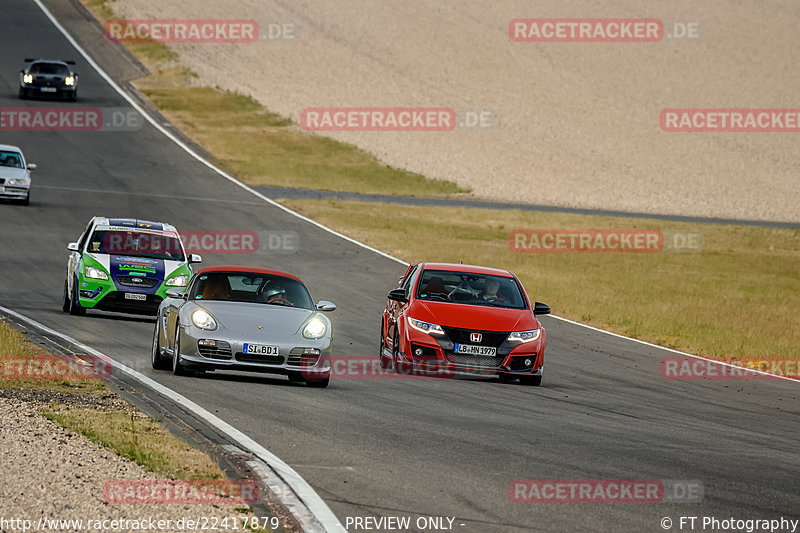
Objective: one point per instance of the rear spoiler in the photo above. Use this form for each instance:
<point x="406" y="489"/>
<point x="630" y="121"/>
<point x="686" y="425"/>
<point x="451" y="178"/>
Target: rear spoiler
<point x="67" y="61"/>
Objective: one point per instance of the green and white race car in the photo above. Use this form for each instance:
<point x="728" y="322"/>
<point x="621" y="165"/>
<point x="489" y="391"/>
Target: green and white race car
<point x="126" y="265"/>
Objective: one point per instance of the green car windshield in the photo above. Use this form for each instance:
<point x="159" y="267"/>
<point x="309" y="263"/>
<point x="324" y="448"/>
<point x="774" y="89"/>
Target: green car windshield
<point x="136" y="244"/>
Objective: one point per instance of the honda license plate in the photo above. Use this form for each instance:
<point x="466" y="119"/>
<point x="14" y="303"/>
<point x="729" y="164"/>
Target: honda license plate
<point x="471" y="349"/>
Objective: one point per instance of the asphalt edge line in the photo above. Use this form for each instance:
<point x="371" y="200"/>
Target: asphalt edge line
<point x="188" y="149"/>
<point x="299" y="486"/>
<point x="650" y="344"/>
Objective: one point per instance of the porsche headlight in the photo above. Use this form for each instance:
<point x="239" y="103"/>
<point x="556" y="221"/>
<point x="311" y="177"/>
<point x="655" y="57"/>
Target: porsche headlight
<point x="315" y="329"/>
<point x="525" y="336"/>
<point x="426" y="327"/>
<point x="27" y="78"/>
<point x="177" y="281"/>
<point x="95" y="273"/>
<point x="203" y="320"/>
<point x="69" y="80"/>
<point x="16" y="181"/>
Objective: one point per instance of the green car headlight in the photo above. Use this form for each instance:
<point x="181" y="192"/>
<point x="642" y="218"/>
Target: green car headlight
<point x="177" y="281"/>
<point x="95" y="273"/>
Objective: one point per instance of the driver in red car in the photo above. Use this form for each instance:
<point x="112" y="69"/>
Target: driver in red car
<point x="490" y="294"/>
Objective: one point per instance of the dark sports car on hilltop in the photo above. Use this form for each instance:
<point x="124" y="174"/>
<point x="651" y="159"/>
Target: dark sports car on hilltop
<point x="48" y="77"/>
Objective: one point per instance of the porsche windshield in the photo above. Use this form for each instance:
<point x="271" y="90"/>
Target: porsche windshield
<point x="136" y="244"/>
<point x="251" y="287"/>
<point x="56" y="69"/>
<point x="470" y="288"/>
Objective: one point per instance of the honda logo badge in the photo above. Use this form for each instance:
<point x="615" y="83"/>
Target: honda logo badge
<point x="475" y="337"/>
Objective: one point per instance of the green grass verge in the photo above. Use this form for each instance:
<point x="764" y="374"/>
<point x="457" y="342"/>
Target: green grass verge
<point x="259" y="147"/>
<point x="262" y="148"/>
<point x="736" y="297"/>
<point x="139" y="438"/>
<point x="129" y="433"/>
<point x="14" y="347"/>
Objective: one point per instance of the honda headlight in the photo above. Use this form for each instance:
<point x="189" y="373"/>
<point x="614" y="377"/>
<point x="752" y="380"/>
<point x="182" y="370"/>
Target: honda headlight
<point x="426" y="327"/>
<point x="525" y="336"/>
<point x="315" y="329"/>
<point x="178" y="281"/>
<point x="95" y="273"/>
<point x="203" y="320"/>
<point x="27" y="78"/>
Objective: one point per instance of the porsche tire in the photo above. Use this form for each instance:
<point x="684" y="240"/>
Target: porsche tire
<point x="177" y="367"/>
<point x="156" y="359"/>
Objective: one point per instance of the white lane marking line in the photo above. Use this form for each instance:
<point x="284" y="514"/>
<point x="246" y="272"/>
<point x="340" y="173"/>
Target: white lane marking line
<point x="674" y="351"/>
<point x="316" y="506"/>
<point x="188" y="149"/>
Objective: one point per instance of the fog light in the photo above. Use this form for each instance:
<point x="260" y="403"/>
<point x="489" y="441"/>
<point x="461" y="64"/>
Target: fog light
<point x="418" y="352"/>
<point x="311" y="351"/>
<point x="207" y="342"/>
<point x="528" y="363"/>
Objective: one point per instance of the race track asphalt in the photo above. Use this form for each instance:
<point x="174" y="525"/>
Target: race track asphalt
<point x="388" y="447"/>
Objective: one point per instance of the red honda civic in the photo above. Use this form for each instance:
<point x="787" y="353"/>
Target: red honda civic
<point x="461" y="319"/>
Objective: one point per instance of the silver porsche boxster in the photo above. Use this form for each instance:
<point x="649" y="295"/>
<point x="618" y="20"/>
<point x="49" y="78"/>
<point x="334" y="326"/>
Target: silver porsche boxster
<point x="243" y="318"/>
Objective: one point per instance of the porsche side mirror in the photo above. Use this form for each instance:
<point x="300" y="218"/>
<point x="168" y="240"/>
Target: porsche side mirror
<point x="325" y="305"/>
<point x="541" y="309"/>
<point x="398" y="295"/>
<point x="175" y="293"/>
<point x="31" y="166"/>
<point x="195" y="258"/>
<point x="73" y="247"/>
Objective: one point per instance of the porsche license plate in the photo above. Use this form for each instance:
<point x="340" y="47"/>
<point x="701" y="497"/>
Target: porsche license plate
<point x="135" y="296"/>
<point x="48" y="89"/>
<point x="471" y="349"/>
<point x="260" y="349"/>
